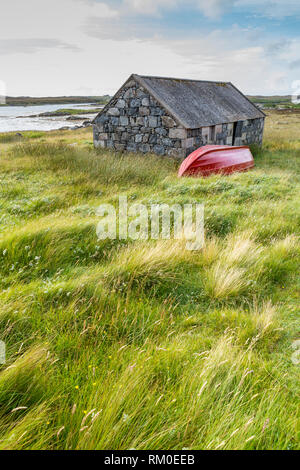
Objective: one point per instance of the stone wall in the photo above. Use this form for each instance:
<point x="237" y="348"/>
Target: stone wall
<point x="221" y="134"/>
<point x="134" y="121"/>
<point x="250" y="132"/>
<point x="245" y="132"/>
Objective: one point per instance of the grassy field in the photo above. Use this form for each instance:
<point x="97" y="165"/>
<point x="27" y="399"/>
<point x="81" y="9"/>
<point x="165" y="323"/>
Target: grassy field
<point x="144" y="345"/>
<point x="275" y="102"/>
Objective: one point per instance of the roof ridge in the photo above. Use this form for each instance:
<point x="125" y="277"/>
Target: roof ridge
<point x="191" y="106"/>
<point x="246" y="97"/>
<point x="180" y="79"/>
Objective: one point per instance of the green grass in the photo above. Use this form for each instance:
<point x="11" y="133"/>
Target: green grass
<point x="273" y="102"/>
<point x="70" y="112"/>
<point x="144" y="345"/>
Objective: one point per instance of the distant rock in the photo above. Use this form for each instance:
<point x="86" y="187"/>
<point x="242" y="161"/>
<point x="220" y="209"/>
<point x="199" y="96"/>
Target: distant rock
<point x="74" y="118"/>
<point x="86" y="123"/>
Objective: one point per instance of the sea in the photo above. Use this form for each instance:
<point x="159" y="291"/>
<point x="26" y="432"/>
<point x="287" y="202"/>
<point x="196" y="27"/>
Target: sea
<point x="18" y="118"/>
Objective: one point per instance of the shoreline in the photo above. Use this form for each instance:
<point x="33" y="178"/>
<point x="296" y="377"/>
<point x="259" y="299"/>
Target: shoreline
<point x="64" y="113"/>
<point x="22" y="134"/>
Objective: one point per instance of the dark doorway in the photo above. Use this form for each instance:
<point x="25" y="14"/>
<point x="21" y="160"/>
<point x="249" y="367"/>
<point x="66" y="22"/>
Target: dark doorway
<point x="237" y="130"/>
<point x="212" y="134"/>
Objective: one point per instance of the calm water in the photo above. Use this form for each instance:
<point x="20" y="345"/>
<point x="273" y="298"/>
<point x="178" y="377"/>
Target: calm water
<point x="10" y="119"/>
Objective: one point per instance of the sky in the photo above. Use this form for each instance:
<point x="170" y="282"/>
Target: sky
<point x="90" y="47"/>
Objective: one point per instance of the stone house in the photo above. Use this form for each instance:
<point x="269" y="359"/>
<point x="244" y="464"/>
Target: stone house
<point x="174" y="117"/>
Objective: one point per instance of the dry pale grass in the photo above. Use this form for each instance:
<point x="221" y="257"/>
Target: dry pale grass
<point x="264" y="316"/>
<point x="240" y="260"/>
<point x="228" y="274"/>
<point x="282" y="129"/>
<point x="143" y="262"/>
<point x="241" y="248"/>
<point x="279" y="253"/>
<point x="222" y="281"/>
<point x="210" y="252"/>
<point x="282" y="248"/>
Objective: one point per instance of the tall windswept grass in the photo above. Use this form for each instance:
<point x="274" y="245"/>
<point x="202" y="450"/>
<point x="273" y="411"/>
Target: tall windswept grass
<point x="30" y="432"/>
<point x="223" y="281"/>
<point x="107" y="167"/>
<point x="242" y="261"/>
<point x="264" y="317"/>
<point x="123" y="344"/>
<point x="210" y="252"/>
<point x="218" y="403"/>
<point x="23" y="405"/>
<point x="144" y="263"/>
<point x="22" y="375"/>
<point x="280" y="258"/>
<point x="241" y="249"/>
<point x="230" y="274"/>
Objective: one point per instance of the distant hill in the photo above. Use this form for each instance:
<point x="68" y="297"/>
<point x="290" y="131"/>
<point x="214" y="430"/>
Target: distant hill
<point x="271" y="99"/>
<point x="274" y="102"/>
<point x="263" y="101"/>
<point x="31" y="101"/>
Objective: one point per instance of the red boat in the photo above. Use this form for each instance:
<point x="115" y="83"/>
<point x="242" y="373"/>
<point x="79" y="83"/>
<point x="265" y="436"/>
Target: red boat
<point x="212" y="159"/>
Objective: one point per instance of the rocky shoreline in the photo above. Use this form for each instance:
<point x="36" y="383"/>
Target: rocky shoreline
<point x="63" y="113"/>
<point x="83" y="116"/>
<point x="86" y="123"/>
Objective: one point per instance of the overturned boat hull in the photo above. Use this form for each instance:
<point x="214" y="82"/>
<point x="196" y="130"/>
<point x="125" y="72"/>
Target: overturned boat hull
<point x="212" y="159"/>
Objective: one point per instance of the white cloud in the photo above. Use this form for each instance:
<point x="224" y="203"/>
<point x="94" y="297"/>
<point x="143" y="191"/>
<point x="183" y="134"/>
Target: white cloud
<point x="214" y="8"/>
<point x="58" y="19"/>
<point x="210" y="8"/>
<point x="28" y="46"/>
<point x="235" y="61"/>
<point x="271" y="8"/>
<point x="149" y="7"/>
<point x="118" y="28"/>
<point x="113" y="39"/>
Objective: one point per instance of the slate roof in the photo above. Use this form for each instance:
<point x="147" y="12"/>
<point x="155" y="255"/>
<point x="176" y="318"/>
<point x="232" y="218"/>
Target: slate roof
<point x="196" y="103"/>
